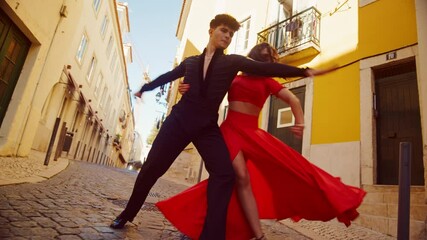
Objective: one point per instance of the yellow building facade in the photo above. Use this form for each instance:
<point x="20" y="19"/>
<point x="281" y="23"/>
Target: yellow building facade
<point x="356" y="116"/>
<point x="66" y="88"/>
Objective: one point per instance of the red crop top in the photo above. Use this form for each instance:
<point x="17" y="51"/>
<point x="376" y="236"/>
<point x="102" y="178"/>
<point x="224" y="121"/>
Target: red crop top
<point x="253" y="89"/>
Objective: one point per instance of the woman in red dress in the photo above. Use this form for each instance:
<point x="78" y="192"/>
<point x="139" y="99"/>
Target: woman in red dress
<point x="273" y="181"/>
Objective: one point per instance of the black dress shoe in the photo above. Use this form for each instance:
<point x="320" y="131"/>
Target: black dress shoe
<point x="118" y="223"/>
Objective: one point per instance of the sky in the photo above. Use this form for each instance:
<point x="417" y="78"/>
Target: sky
<point x="153" y="26"/>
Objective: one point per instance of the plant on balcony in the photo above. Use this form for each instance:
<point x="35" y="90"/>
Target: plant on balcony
<point x="117" y="139"/>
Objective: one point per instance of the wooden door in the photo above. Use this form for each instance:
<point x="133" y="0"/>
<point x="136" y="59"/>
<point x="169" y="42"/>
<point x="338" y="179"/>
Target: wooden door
<point x="398" y="120"/>
<point x="13" y="51"/>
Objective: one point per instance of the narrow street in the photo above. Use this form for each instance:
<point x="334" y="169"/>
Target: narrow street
<point x="81" y="201"/>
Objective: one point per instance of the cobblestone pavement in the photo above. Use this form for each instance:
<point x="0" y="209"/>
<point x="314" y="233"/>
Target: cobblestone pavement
<point x="32" y="169"/>
<point x="81" y="201"/>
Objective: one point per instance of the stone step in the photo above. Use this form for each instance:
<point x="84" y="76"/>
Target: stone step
<point x="388" y="226"/>
<point x="418" y="212"/>
<point x="390" y="194"/>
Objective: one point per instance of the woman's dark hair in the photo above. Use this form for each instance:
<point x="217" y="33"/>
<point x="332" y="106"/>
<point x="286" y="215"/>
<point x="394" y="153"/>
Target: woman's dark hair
<point x="256" y="54"/>
<point x="225" y="19"/>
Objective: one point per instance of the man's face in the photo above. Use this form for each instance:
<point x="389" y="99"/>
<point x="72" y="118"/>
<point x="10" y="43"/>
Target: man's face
<point x="221" y="36"/>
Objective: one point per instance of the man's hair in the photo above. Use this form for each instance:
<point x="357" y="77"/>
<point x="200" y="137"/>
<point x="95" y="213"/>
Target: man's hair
<point x="225" y="19"/>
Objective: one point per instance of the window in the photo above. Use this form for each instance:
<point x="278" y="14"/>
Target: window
<point x="116" y="72"/>
<point x="121" y="89"/>
<point x="113" y="61"/>
<point x="104" y="25"/>
<point x="113" y="118"/>
<point x="98" y="84"/>
<point x="108" y="104"/>
<point x="91" y="69"/>
<point x="96" y="4"/>
<point x="110" y="45"/>
<point x="82" y="48"/>
<point x="285" y="118"/>
<point x="242" y="36"/>
<point x="103" y="97"/>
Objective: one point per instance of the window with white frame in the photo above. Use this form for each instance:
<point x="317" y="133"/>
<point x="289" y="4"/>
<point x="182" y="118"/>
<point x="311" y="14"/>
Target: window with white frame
<point x="96" y="4"/>
<point x="98" y="84"/>
<point x="121" y="89"/>
<point x="113" y="61"/>
<point x="242" y="36"/>
<point x="109" y="45"/>
<point x="112" y="119"/>
<point x="116" y="72"/>
<point x="103" y="97"/>
<point x="91" y="68"/>
<point x="285" y="118"/>
<point x="109" y="104"/>
<point x="119" y="86"/>
<point x="104" y="25"/>
<point x="82" y="48"/>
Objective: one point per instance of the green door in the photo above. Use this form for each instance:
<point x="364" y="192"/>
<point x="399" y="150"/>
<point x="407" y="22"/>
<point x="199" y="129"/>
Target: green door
<point x="13" y="51"/>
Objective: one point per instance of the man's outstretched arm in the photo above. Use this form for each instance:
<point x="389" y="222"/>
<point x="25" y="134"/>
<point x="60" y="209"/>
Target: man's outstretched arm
<point x="163" y="79"/>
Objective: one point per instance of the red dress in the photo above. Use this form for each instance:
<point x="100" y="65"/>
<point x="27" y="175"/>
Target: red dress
<point x="284" y="183"/>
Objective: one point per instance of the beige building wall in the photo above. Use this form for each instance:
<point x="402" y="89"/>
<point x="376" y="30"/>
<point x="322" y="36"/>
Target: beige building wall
<point x="54" y="83"/>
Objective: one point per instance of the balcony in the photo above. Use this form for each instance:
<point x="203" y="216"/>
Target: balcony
<point x="295" y="38"/>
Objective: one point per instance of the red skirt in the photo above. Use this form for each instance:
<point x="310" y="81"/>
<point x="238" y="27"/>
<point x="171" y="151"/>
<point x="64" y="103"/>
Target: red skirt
<point x="284" y="183"/>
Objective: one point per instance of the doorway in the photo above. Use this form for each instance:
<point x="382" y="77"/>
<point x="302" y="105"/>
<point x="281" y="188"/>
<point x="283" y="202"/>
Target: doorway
<point x="398" y="120"/>
<point x="13" y="52"/>
<point x="281" y="120"/>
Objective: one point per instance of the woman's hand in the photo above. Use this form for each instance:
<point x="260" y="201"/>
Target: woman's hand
<point x="183" y="87"/>
<point x="298" y="130"/>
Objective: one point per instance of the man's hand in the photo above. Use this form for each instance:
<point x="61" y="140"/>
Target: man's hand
<point x="314" y="72"/>
<point x="138" y="94"/>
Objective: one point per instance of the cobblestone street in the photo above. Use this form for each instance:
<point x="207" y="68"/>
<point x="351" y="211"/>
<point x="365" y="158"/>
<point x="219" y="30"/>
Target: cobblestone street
<point x="81" y="201"/>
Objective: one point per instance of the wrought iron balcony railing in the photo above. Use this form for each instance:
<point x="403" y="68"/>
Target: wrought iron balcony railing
<point x="297" y="31"/>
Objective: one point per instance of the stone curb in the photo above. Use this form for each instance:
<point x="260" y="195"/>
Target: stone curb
<point x="45" y="174"/>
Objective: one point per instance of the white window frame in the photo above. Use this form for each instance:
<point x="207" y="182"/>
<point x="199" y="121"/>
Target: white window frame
<point x="104" y="26"/>
<point x="82" y="48"/>
<point x="103" y="97"/>
<point x="96" y="4"/>
<point x="109" y="46"/>
<point x="91" y="69"/>
<point x="98" y="84"/>
<point x="285" y="124"/>
<point x="113" y="61"/>
<point x="112" y="117"/>
<point x="109" y="104"/>
<point x="242" y="36"/>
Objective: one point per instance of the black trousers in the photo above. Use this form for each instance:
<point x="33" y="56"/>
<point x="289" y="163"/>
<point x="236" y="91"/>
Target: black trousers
<point x="176" y="133"/>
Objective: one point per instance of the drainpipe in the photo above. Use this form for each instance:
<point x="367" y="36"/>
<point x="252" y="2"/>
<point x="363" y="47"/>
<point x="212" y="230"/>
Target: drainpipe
<point x="63" y="14"/>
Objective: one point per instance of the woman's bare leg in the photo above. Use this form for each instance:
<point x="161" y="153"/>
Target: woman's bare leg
<point x="245" y="195"/>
